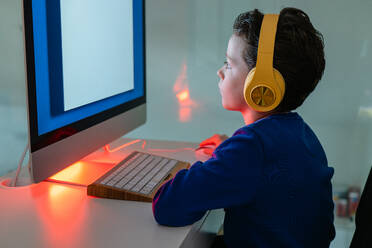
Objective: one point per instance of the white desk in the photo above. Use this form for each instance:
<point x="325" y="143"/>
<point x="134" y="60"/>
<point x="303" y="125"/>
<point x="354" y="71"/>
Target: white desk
<point x="56" y="215"/>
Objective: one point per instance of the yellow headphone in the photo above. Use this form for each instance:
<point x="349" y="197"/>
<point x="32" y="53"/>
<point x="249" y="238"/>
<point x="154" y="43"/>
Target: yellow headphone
<point x="264" y="86"/>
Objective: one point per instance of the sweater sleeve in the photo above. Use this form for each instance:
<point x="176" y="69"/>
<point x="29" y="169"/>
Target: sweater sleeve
<point x="231" y="177"/>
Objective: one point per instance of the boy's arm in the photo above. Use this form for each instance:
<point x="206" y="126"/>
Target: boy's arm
<point x="231" y="177"/>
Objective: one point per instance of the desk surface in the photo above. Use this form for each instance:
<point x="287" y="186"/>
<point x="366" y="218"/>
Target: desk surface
<point x="51" y="214"/>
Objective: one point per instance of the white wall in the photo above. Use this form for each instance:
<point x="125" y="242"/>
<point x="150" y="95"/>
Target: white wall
<point x="13" y="118"/>
<point x="186" y="42"/>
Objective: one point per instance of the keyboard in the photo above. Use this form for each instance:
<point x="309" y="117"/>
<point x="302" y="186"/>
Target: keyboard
<point x="136" y="178"/>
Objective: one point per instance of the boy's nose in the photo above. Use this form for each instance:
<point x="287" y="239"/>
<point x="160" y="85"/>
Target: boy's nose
<point x="220" y="74"/>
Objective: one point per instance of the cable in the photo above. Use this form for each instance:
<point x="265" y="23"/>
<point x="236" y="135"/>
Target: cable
<point x="14" y="182"/>
<point x="172" y="150"/>
<point x="107" y="147"/>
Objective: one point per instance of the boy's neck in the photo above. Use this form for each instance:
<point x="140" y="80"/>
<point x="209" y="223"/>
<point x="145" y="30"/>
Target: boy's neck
<point x="250" y="116"/>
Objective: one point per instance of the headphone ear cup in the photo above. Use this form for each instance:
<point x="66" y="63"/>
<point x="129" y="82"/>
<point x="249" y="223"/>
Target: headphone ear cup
<point x="264" y="96"/>
<point x="247" y="84"/>
<point x="280" y="83"/>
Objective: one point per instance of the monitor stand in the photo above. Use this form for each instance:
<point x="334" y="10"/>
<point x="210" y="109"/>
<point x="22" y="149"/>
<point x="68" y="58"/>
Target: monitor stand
<point x="81" y="173"/>
<point x="90" y="168"/>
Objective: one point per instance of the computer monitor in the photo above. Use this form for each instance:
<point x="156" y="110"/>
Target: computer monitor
<point x="85" y="63"/>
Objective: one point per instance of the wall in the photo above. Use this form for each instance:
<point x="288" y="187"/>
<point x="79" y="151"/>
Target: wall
<point x="13" y="117"/>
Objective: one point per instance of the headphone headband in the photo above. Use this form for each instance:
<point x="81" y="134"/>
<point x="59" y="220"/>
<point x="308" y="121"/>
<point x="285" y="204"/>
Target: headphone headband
<point x="264" y="86"/>
<point x="266" y="43"/>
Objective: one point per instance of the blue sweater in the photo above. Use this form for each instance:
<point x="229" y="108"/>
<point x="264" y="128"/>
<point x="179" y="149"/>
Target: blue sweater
<point x="271" y="177"/>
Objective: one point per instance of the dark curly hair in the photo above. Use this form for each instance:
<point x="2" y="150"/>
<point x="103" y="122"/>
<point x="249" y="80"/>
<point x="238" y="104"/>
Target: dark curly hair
<point x="298" y="52"/>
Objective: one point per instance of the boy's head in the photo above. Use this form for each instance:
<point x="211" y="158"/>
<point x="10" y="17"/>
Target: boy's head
<point x="298" y="55"/>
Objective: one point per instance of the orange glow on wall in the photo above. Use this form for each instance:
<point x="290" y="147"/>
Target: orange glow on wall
<point x="183" y="96"/>
<point x="185" y="114"/>
<point x="182" y="92"/>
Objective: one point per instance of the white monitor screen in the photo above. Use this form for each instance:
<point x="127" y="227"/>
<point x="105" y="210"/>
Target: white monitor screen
<point x="97" y="50"/>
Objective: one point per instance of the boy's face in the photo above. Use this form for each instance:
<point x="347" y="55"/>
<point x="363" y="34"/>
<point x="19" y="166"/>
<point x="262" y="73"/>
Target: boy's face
<point x="232" y="76"/>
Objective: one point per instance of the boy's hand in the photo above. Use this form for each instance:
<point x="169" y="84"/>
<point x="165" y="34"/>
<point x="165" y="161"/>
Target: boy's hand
<point x="210" y="144"/>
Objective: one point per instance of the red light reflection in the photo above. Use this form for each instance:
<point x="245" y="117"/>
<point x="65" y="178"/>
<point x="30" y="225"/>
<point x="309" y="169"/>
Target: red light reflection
<point x="72" y="172"/>
<point x="62" y="211"/>
<point x="144" y="144"/>
<point x="183" y="96"/>
<point x="181" y="89"/>
<point x="185" y="114"/>
<point x="81" y="173"/>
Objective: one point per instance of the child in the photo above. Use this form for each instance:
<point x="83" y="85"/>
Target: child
<point x="271" y="176"/>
